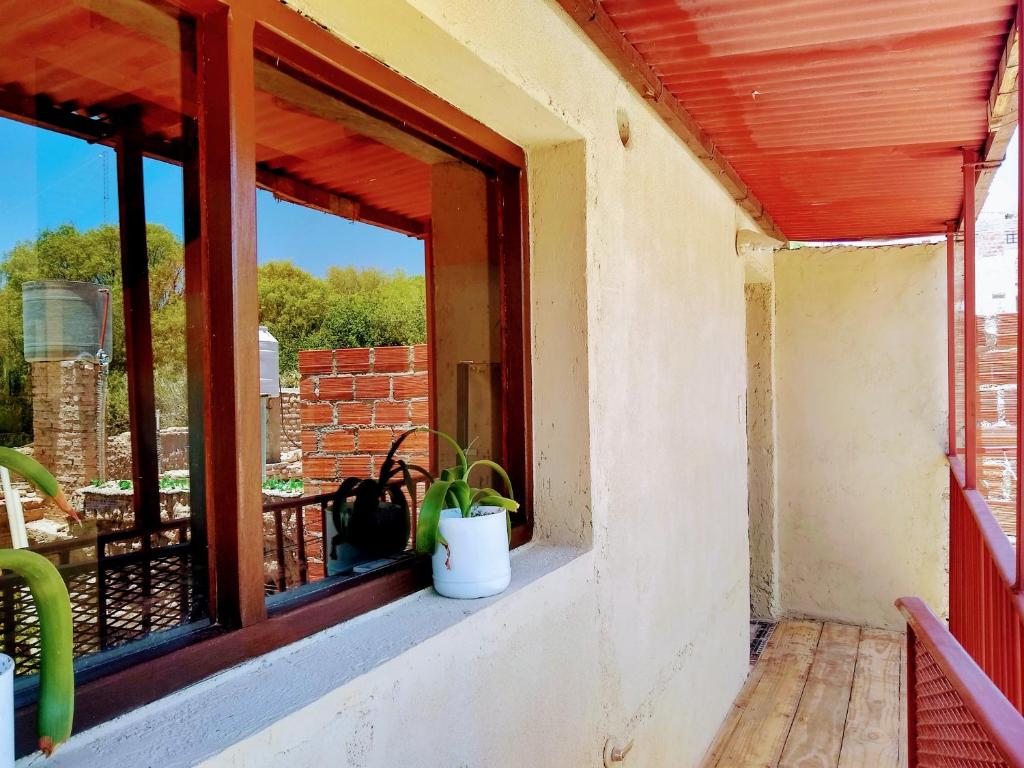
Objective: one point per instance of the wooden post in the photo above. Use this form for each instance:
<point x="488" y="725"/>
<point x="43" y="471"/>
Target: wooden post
<point x="231" y="358"/>
<point x="138" y="336"/>
<point x="970" y="325"/>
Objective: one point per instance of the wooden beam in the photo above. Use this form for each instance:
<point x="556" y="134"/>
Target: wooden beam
<point x="40" y="111"/>
<point x="234" y="503"/>
<point x="1002" y="113"/>
<point x="294" y="94"/>
<point x="285" y="187"/>
<point x="138" y="335"/>
<point x="599" y="27"/>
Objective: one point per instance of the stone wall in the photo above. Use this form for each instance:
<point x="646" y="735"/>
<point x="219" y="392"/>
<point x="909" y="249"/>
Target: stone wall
<point x="354" y="403"/>
<point x="291" y="420"/>
<point x="66" y="419"/>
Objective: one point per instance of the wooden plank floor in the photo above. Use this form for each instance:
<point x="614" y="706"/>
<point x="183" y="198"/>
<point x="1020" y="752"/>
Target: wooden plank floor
<point x="821" y="696"/>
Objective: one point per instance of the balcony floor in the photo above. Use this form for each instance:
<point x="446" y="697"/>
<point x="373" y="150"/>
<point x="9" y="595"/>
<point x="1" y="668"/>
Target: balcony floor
<point x="820" y="696"/>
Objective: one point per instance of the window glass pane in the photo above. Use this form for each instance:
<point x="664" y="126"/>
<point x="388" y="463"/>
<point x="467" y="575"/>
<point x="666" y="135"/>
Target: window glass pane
<point x="363" y="229"/>
<point x="96" y="120"/>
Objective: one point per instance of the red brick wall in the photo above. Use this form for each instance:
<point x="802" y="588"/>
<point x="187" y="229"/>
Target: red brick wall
<point x="354" y="402"/>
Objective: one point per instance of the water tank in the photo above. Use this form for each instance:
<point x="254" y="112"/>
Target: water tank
<point x="270" y="369"/>
<point x="66" y="320"/>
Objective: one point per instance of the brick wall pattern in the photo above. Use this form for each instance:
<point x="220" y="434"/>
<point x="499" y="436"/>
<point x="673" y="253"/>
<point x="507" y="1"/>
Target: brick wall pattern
<point x="353" y="403"/>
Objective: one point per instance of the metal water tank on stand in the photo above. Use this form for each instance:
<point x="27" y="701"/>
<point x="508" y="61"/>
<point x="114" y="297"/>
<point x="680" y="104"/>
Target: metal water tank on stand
<point x="270" y="385"/>
<point x="65" y="320"/>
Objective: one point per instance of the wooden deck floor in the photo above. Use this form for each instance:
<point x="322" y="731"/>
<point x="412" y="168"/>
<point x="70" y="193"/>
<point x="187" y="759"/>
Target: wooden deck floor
<point x="820" y="696"/>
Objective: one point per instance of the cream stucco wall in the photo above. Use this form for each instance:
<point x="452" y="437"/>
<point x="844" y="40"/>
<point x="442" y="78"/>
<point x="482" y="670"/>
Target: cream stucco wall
<point x="640" y="631"/>
<point x="861" y="404"/>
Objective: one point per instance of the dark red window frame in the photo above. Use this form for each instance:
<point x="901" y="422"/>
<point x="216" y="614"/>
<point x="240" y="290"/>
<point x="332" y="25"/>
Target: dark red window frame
<point x="221" y="189"/>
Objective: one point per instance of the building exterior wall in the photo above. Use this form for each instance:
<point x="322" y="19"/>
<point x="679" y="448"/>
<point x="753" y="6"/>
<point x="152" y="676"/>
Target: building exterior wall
<point x="633" y="259"/>
<point x="861" y="365"/>
<point x="637" y="334"/>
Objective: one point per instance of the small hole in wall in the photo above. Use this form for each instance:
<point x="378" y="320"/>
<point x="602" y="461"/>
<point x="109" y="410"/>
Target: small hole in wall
<point x="623" y="122"/>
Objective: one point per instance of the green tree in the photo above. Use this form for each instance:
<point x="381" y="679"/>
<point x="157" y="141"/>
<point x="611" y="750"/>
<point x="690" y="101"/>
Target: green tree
<point x="391" y="313"/>
<point x="94" y="255"/>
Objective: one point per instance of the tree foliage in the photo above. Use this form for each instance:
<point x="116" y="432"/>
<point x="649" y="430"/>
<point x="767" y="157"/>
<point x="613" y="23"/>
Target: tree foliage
<point x="348" y="307"/>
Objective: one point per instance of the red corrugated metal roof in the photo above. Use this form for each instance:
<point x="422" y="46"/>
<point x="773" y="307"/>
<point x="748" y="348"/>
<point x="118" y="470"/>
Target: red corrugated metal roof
<point x="846" y="118"/>
<point x="90" y="62"/>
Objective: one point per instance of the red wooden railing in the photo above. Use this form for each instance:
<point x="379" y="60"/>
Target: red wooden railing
<point x="986" y="614"/>
<point x="956" y="716"/>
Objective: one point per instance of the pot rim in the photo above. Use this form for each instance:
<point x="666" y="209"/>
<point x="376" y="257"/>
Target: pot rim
<point x="457" y="514"/>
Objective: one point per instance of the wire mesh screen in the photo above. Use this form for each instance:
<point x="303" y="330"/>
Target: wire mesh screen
<point x="114" y="600"/>
<point x="945" y="731"/>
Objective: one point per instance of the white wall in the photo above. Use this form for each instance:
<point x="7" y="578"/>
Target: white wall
<point x="861" y="366"/>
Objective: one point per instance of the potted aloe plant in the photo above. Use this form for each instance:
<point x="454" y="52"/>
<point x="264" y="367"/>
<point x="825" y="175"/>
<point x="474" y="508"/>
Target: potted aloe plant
<point x="369" y="517"/>
<point x="467" y="530"/>
<point x="53" y="608"/>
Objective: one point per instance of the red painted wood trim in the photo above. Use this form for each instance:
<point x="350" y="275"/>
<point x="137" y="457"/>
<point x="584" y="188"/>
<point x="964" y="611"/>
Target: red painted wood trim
<point x="227" y="188"/>
<point x="1003" y="723"/>
<point x="996" y="543"/>
<point x="286" y="34"/>
<point x="970" y="322"/>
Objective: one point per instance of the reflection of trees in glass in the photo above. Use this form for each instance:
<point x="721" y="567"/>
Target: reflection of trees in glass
<point x="347" y="308"/>
<point x="94" y="255"/>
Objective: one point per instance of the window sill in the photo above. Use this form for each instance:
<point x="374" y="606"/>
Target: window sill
<point x="219" y="711"/>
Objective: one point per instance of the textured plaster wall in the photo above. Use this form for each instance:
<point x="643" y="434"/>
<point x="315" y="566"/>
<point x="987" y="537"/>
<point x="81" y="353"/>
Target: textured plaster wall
<point x="762" y="475"/>
<point x="642" y="634"/>
<point x="861" y="367"/>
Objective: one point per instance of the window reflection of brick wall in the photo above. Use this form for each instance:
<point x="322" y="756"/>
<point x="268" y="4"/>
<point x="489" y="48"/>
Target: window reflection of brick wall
<point x="353" y="403"/>
<point x="997" y="415"/>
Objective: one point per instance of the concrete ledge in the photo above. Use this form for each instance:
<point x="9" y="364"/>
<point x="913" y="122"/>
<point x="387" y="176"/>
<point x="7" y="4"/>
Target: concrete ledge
<point x="206" y="718"/>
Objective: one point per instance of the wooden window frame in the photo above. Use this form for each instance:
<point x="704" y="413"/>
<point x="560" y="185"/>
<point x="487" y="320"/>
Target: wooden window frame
<point x="220" y="188"/>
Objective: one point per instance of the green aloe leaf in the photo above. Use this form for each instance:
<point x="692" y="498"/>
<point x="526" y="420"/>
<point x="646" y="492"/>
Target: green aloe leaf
<point x="463" y="466"/>
<point x="499" y="501"/>
<point x="427" y="534"/>
<point x="463" y="495"/>
<point x="497" y="468"/>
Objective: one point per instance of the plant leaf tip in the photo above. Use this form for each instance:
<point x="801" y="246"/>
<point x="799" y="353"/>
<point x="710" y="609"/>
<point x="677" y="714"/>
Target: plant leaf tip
<point x="62" y="502"/>
<point x="46" y="745"/>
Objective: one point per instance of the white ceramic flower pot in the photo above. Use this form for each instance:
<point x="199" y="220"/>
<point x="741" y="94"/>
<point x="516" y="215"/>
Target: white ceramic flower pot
<point x="6" y="712"/>
<point x="477" y="562"/>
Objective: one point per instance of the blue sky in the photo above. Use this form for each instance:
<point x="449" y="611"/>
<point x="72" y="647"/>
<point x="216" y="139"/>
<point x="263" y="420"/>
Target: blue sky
<point x="1002" y="195"/>
<point x="53" y="179"/>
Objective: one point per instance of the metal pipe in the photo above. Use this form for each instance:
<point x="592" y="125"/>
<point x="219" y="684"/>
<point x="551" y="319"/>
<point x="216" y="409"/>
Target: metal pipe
<point x="970" y="325"/>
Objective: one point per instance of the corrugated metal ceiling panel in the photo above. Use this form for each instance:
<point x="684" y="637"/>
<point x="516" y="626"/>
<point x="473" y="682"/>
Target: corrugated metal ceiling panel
<point x="847" y="118"/>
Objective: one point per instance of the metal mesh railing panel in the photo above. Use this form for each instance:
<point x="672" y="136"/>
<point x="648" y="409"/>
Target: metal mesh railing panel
<point x="947" y="734"/>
